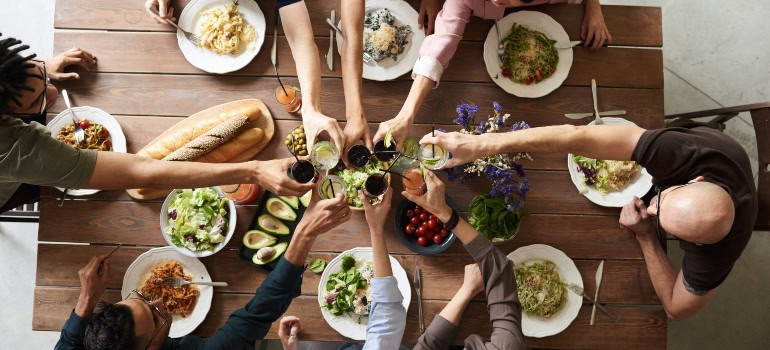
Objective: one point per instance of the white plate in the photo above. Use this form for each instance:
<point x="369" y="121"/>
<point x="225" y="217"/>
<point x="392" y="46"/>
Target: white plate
<point x="231" y="222"/>
<point x="387" y="68"/>
<point x="346" y="325"/>
<point x="534" y="20"/>
<point x="139" y="271"/>
<point x="538" y="327"/>
<point x="203" y="58"/>
<point x="639" y="186"/>
<point x="94" y="115"/>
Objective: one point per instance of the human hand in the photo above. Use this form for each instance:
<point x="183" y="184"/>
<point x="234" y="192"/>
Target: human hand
<point x="323" y="215"/>
<point x="74" y="56"/>
<point x="271" y="175"/>
<point x="93" y="281"/>
<point x="287" y="332"/>
<point x="316" y="123"/>
<point x="473" y="282"/>
<point x="376" y="213"/>
<point x="162" y="6"/>
<point x="594" y="31"/>
<point x="634" y="217"/>
<point x="428" y="11"/>
<point x="356" y="129"/>
<point x="399" y="128"/>
<point x="434" y="201"/>
<point x="463" y="147"/>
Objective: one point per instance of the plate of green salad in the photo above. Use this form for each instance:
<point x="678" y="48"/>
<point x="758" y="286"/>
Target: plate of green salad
<point x="355" y="178"/>
<point x="197" y="222"/>
<point x="541" y="273"/>
<point x="344" y="293"/>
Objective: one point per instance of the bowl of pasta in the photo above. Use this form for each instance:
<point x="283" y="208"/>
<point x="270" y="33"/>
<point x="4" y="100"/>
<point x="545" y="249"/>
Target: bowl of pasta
<point x="231" y="34"/>
<point x="102" y="133"/>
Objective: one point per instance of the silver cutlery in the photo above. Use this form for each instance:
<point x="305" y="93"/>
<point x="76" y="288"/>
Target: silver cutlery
<point x="586" y="115"/>
<point x="598" y="120"/>
<point x="273" y="50"/>
<point x="178" y="282"/>
<point x="567" y="44"/>
<point x="368" y="59"/>
<point x="330" y="54"/>
<point x="418" y="287"/>
<point x="579" y="291"/>
<point x="599" y="273"/>
<point x="190" y="36"/>
<point x="500" y="47"/>
<point x="80" y="135"/>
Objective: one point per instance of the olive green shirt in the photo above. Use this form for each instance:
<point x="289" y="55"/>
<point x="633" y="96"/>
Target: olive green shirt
<point x="28" y="154"/>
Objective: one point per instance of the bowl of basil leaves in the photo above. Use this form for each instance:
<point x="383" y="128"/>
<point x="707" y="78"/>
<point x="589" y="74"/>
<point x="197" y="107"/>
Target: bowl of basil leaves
<point x="490" y="216"/>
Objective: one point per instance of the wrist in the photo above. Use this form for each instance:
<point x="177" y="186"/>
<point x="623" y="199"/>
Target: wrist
<point x="466" y="293"/>
<point x="85" y="305"/>
<point x="253" y="173"/>
<point x="444" y="213"/>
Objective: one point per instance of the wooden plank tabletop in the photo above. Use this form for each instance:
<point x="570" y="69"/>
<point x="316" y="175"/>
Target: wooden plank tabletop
<point x="144" y="81"/>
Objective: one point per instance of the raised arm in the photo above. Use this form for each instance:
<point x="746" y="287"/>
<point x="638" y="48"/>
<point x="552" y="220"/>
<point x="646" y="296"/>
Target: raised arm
<point x="613" y="142"/>
<point x="352" y="46"/>
<point x="299" y="33"/>
<point x="387" y="318"/>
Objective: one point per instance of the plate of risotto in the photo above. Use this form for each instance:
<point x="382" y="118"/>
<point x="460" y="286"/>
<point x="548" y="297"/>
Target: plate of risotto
<point x="344" y="293"/>
<point x="188" y="305"/>
<point x="231" y="33"/>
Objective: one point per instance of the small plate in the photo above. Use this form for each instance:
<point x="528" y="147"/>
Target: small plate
<point x="639" y="186"/>
<point x="538" y="327"/>
<point x="94" y="115"/>
<point x="388" y="69"/>
<point x="538" y="21"/>
<point x="203" y="58"/>
<point x="346" y="325"/>
<point x="139" y="271"/>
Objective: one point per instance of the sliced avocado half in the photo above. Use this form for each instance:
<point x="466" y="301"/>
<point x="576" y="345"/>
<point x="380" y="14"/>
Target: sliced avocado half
<point x="256" y="239"/>
<point x="292" y="201"/>
<point x="268" y="254"/>
<point x="305" y="199"/>
<point x="280" y="209"/>
<point x="271" y="224"/>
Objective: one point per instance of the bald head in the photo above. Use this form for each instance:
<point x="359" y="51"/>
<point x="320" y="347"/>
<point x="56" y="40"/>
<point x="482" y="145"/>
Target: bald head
<point x="700" y="212"/>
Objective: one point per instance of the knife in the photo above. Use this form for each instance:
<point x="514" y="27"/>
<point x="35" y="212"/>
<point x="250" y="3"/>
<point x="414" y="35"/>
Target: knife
<point x="418" y="287"/>
<point x="598" y="120"/>
<point x="330" y="54"/>
<point x="273" y="54"/>
<point x="599" y="273"/>
<point x="586" y="115"/>
<point x="571" y="44"/>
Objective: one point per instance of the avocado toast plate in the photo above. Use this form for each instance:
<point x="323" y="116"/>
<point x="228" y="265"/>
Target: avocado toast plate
<point x="271" y="230"/>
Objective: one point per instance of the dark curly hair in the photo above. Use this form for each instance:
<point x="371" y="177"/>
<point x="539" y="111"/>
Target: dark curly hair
<point x="112" y="327"/>
<point x="13" y="73"/>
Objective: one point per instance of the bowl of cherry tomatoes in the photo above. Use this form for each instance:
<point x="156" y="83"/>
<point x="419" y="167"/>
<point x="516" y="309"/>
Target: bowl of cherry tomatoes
<point x="421" y="231"/>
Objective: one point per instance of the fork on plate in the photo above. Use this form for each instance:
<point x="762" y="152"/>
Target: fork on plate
<point x="178" y="282"/>
<point x="80" y="135"/>
<point x="190" y="36"/>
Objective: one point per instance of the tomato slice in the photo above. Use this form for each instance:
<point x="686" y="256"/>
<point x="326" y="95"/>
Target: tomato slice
<point x="84" y="124"/>
<point x="528" y="81"/>
<point x="538" y="75"/>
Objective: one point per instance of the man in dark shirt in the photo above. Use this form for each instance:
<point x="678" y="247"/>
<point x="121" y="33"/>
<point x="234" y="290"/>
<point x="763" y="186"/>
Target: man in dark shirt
<point x="705" y="195"/>
<point x="136" y="323"/>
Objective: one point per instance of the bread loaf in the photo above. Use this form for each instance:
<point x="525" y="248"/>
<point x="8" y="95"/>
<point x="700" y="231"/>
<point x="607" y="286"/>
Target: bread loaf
<point x="167" y="144"/>
<point x="210" y="140"/>
<point x="233" y="148"/>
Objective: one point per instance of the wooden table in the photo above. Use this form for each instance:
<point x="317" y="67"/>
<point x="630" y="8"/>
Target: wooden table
<point x="144" y="81"/>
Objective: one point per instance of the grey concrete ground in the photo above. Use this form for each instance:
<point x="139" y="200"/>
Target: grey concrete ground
<point x="716" y="53"/>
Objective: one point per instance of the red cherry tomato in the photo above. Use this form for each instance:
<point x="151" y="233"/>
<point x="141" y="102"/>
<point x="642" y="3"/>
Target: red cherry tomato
<point x="108" y="145"/>
<point x="410" y="229"/>
<point x="416" y="211"/>
<point x="414" y="220"/>
<point x="444" y="232"/>
<point x="409" y="213"/>
<point x="424" y="217"/>
<point x="422" y="241"/>
<point x="103" y="134"/>
<point x="84" y="124"/>
<point x="528" y="81"/>
<point x="506" y="72"/>
<point x="422" y="231"/>
<point x="438" y="239"/>
<point x="433" y="224"/>
<point x="432" y="217"/>
<point x="538" y="75"/>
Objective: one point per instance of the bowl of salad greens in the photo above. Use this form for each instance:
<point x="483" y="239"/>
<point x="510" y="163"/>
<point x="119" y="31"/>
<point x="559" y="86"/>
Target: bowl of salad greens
<point x="197" y="222"/>
<point x="355" y="179"/>
<point x="490" y="216"/>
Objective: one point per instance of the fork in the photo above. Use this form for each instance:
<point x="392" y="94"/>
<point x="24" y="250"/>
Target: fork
<point x="368" y="59"/>
<point x="598" y="119"/>
<point x="190" y="36"/>
<point x="580" y="291"/>
<point x="178" y="282"/>
<point x="80" y="135"/>
<point x="500" y="47"/>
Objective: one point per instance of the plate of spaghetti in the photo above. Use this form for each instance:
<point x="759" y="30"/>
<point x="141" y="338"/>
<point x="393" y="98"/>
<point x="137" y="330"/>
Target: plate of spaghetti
<point x="188" y="305"/>
<point x="103" y="133"/>
<point x="232" y="34"/>
<point x="532" y="67"/>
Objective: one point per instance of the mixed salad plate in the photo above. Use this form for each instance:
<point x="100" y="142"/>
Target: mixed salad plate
<point x="197" y="222"/>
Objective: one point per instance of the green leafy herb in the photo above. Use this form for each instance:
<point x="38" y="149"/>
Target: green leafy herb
<point x="317" y="265"/>
<point x="491" y="217"/>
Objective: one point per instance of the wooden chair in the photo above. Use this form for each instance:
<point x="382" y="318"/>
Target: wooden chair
<point x="760" y="116"/>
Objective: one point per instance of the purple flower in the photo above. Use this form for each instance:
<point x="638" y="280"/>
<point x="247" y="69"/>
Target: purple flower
<point x="519" y="126"/>
<point x="497" y="107"/>
<point x="482" y="127"/>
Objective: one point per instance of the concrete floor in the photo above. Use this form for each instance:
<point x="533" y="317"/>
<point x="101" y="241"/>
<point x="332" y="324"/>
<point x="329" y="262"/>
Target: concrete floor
<point x="714" y="55"/>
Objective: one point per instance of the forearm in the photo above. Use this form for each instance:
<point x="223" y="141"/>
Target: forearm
<point x="464" y="231"/>
<point x="121" y="170"/>
<point x="305" y="53"/>
<point x="380" y="256"/>
<point x="421" y="87"/>
<point x="352" y="54"/>
<point x="300" y="246"/>
<point x="592" y="5"/>
<point x="660" y="269"/>
<point x="454" y="310"/>
<point x="85" y="305"/>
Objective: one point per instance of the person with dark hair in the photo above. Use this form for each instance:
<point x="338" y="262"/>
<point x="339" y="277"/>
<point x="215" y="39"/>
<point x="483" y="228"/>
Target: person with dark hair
<point x="138" y="322"/>
<point x="30" y="157"/>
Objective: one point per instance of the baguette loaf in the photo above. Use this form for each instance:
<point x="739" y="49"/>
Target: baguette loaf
<point x="167" y="144"/>
<point x="209" y="141"/>
<point x="233" y="148"/>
